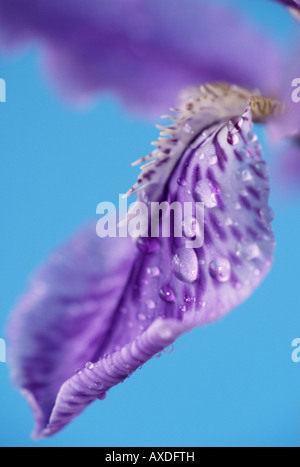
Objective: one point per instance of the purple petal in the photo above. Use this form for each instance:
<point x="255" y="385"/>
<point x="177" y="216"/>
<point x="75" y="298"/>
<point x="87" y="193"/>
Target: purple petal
<point x="293" y="4"/>
<point x="143" y="51"/>
<point x="64" y="319"/>
<point x="209" y="154"/>
<point x="172" y="288"/>
<point x="289" y="165"/>
<point x="106" y="308"/>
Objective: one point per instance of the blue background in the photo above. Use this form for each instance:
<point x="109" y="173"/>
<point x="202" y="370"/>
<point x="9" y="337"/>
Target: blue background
<point x="231" y="383"/>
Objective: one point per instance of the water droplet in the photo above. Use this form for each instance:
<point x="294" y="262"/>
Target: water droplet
<point x="262" y="169"/>
<point x="167" y="294"/>
<point x="78" y="371"/>
<point x="212" y="159"/>
<point x="267" y="214"/>
<point x="181" y="181"/>
<point x="206" y="192"/>
<point x="244" y="174"/>
<point x="89" y="366"/>
<point x="237" y="206"/>
<point x="185" y="265"/>
<point x="248" y="251"/>
<point x="188" y="129"/>
<point x="200" y="155"/>
<point x="169" y="350"/>
<point x="233" y="139"/>
<point x="187" y="299"/>
<point x="228" y="222"/>
<point x="153" y="271"/>
<point x="141" y="317"/>
<point x="147" y="244"/>
<point x="150" y="304"/>
<point x="220" y="269"/>
<point x="102" y="397"/>
<point x="252" y="137"/>
<point x="98" y="386"/>
<point x="182" y="308"/>
<point x="202" y="262"/>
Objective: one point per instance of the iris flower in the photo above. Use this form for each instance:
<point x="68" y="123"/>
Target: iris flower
<point x="101" y="308"/>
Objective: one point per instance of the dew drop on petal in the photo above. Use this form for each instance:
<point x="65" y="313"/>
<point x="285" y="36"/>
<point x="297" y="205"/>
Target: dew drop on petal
<point x="169" y="350"/>
<point x="150" y="304"/>
<point x="267" y="214"/>
<point x="228" y="222"/>
<point x="141" y="317"/>
<point x="248" y="251"/>
<point x="153" y="271"/>
<point x="181" y="181"/>
<point x="89" y="366"/>
<point x="237" y="206"/>
<point x="262" y="169"/>
<point x="220" y="269"/>
<point x="205" y="192"/>
<point x="232" y="139"/>
<point x="102" y="397"/>
<point x="213" y="159"/>
<point x="252" y="137"/>
<point x="166" y="294"/>
<point x="244" y="174"/>
<point x="188" y="129"/>
<point x="200" y="155"/>
<point x="185" y="265"/>
<point x="187" y="299"/>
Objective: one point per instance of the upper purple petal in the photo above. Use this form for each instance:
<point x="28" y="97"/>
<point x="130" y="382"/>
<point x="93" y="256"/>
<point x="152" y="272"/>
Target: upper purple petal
<point x="107" y="306"/>
<point x="145" y="52"/>
<point x="294" y="4"/>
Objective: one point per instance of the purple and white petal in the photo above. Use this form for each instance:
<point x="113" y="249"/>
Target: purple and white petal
<point x="208" y="154"/>
<point x="144" y="52"/>
<point x="65" y="318"/>
<point x="107" y="306"/>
